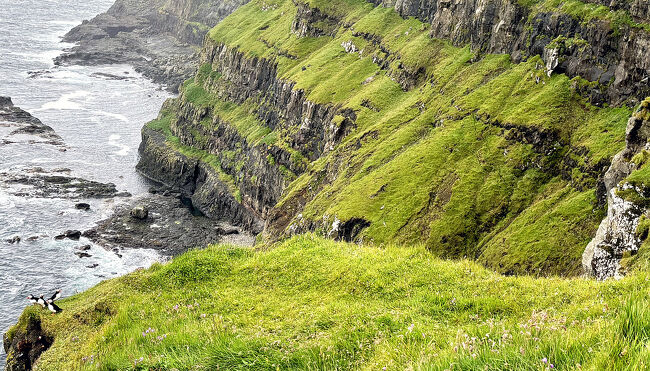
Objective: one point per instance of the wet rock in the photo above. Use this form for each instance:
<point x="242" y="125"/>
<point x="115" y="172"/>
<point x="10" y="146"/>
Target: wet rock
<point x="70" y="234"/>
<point x="33" y="238"/>
<point x="14" y="239"/>
<point x="41" y="183"/>
<point x="26" y="128"/>
<point x="82" y="255"/>
<point x="82" y="206"/>
<point x="84" y="248"/>
<point x="159" y="44"/>
<point x="92" y="266"/>
<point x="108" y="76"/>
<point x="140" y="212"/>
<point x="73" y="234"/>
<point x="170" y="228"/>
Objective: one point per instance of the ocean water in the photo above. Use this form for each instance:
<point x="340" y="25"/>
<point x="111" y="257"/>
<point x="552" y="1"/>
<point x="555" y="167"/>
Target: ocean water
<point x="98" y="118"/>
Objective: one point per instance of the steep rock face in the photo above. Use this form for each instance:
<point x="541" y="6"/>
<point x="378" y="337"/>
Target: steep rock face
<point x="352" y="122"/>
<point x="251" y="171"/>
<point x="617" y="234"/>
<point x="25" y="344"/>
<point x="606" y="51"/>
<point x="159" y="37"/>
<point x="198" y="181"/>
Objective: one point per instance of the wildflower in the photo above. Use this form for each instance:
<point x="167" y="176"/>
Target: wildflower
<point x="411" y="326"/>
<point x="551" y="366"/>
<point x="203" y="315"/>
<point x="544" y="360"/>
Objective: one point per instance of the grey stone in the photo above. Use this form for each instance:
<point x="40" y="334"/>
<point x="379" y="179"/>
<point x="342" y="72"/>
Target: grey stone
<point x="140" y="212"/>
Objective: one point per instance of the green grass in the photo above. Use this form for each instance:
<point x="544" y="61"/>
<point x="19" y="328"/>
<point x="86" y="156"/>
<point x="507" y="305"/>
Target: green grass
<point x="441" y="151"/>
<point x="586" y="12"/>
<point x="310" y="303"/>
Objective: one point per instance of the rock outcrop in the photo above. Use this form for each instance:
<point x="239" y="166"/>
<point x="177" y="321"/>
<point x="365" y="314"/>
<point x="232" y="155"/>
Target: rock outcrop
<point x="610" y="51"/>
<point x="617" y="234"/>
<point x="298" y="116"/>
<point x="25" y="343"/>
<point x="164" y="223"/>
<point x="159" y="37"/>
<point x="24" y="128"/>
<point x="257" y="170"/>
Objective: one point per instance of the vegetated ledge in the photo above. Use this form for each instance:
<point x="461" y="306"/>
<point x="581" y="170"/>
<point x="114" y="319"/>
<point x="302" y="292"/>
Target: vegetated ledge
<point x="601" y="41"/>
<point x="311" y="303"/>
<point x="481" y="157"/>
<point x="417" y="139"/>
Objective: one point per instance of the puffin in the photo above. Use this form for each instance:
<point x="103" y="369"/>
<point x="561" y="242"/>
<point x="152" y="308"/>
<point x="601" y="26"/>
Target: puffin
<point x="41" y="301"/>
<point x="32" y="299"/>
<point x="53" y="307"/>
<point x="56" y="296"/>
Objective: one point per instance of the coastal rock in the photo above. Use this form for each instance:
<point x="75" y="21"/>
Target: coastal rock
<point x="70" y="234"/>
<point x="25" y="344"/>
<point x="24" y="128"/>
<point x="617" y="234"/>
<point x="171" y="228"/>
<point x="82" y="206"/>
<point x="14" y="239"/>
<point x="41" y="183"/>
<point x="157" y="37"/>
<point x="140" y="212"/>
<point x="281" y="107"/>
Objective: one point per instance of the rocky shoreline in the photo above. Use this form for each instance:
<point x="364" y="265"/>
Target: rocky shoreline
<point x="163" y="223"/>
<point x="160" y="38"/>
<point x="19" y="126"/>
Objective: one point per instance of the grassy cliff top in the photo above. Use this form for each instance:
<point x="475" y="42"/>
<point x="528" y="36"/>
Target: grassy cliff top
<point x="478" y="157"/>
<point x="310" y="303"/>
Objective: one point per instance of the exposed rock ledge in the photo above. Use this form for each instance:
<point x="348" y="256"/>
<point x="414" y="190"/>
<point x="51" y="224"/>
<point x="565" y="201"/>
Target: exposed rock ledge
<point x="18" y="126"/>
<point x="160" y="38"/>
<point x="617" y="234"/>
<point x="24" y="345"/>
<point x="195" y="180"/>
<point x="162" y="222"/>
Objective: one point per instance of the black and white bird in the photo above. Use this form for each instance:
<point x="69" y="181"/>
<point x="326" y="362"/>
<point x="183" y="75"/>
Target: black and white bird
<point x="32" y="299"/>
<point x="53" y="307"/>
<point x="41" y="301"/>
<point x="56" y="296"/>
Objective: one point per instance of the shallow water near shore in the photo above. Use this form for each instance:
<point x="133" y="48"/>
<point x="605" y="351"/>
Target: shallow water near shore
<point x="98" y="111"/>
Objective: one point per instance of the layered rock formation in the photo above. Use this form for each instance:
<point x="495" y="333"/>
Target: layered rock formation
<point x="608" y="48"/>
<point x="329" y="118"/>
<point x="627" y="202"/>
<point x="158" y="37"/>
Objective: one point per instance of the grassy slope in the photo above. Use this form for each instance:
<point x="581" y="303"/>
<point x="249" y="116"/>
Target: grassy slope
<point x="433" y="162"/>
<point x="311" y="303"/>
